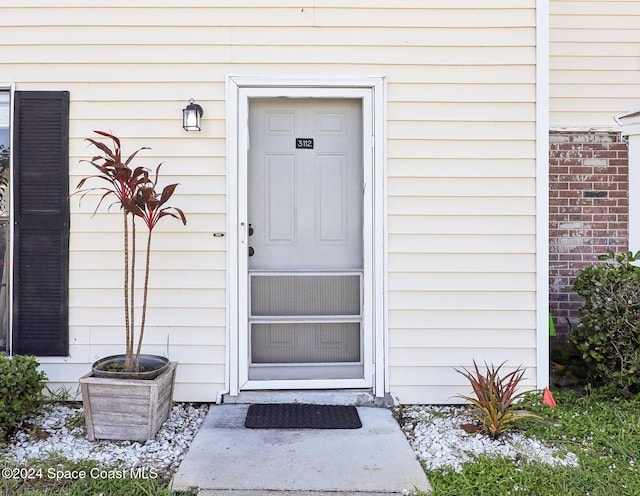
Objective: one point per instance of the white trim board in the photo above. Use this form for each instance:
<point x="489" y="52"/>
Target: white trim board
<point x="630" y="127"/>
<point x="542" y="193"/>
<point x="11" y="88"/>
<point x="372" y="90"/>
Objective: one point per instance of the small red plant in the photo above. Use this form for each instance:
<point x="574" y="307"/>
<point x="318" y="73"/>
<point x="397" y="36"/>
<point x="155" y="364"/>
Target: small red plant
<point x="493" y="405"/>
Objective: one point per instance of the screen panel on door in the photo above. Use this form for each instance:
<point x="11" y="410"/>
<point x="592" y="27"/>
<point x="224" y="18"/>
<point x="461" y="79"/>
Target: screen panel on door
<point x="305" y="236"/>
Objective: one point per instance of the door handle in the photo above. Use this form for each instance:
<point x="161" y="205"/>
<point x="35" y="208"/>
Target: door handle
<point x="251" y="251"/>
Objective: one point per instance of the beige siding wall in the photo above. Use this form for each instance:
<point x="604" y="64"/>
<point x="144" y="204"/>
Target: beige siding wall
<point x="595" y="61"/>
<point x="461" y="164"/>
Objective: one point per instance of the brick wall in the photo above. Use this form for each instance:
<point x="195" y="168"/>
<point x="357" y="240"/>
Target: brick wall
<point x="588" y="211"/>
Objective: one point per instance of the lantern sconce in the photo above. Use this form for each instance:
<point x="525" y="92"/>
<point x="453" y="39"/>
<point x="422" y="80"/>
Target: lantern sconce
<point x="191" y="115"/>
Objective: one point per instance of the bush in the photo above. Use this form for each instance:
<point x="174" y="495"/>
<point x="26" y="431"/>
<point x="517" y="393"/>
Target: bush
<point x="21" y="391"/>
<point x="568" y="369"/>
<point x="608" y="333"/>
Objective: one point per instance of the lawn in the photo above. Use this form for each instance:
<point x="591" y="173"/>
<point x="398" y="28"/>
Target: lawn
<point x="602" y="429"/>
<point x="64" y="478"/>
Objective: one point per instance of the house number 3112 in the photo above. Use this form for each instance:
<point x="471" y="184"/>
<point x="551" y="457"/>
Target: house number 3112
<point x="304" y="143"/>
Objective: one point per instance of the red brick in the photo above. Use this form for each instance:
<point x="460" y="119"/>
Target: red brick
<point x="605" y="153"/>
<point x="618" y="194"/>
<point x="603" y="203"/>
<point x="568" y="193"/>
<point x="619" y="146"/>
<point x="588" y="185"/>
<point x="619" y="162"/>
<point x="619" y="178"/>
<point x="618" y="225"/>
<point x="599" y="186"/>
<point x="581" y="186"/>
<point x="580" y="169"/>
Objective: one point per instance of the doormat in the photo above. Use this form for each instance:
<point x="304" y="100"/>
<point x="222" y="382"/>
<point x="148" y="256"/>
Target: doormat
<point x="302" y="416"/>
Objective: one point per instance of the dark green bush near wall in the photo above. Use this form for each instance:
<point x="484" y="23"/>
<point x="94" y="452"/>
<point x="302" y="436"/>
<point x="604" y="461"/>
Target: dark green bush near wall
<point x="21" y="391"/>
<point x="608" y="334"/>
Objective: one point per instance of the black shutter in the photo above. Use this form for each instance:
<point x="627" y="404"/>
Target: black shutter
<point x="41" y="216"/>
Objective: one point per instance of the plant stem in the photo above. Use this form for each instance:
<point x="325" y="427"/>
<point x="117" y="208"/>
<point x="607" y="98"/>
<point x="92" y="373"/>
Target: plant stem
<point x="127" y="319"/>
<point x="144" y="296"/>
<point x="130" y="344"/>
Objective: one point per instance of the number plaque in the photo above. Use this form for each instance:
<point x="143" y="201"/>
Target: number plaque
<point x="304" y="143"/>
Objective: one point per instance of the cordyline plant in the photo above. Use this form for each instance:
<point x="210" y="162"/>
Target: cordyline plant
<point x="494" y="404"/>
<point x="135" y="192"/>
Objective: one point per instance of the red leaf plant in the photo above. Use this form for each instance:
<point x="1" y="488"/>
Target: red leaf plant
<point x="494" y="404"/>
<point x="135" y="193"/>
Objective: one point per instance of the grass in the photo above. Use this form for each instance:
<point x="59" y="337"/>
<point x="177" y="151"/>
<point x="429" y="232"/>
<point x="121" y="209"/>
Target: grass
<point x="601" y="429"/>
<point x="64" y="478"/>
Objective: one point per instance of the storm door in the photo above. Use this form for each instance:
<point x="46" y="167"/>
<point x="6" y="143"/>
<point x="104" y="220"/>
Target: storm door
<point x="304" y="237"/>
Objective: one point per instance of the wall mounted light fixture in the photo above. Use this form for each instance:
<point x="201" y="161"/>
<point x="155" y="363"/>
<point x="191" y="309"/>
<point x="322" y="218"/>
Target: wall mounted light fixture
<point x="191" y="115"/>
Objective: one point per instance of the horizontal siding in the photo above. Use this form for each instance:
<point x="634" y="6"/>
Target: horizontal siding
<point x="272" y="36"/>
<point x="450" y="317"/>
<point x="435" y="129"/>
<point x="352" y="4"/>
<point x="454" y="262"/>
<point x="165" y="297"/>
<point x="170" y="279"/>
<point x="461" y="162"/>
<point x="188" y="316"/>
<point x="437" y="357"/>
<point x="463" y="187"/>
<point x="466" y="300"/>
<point x="409" y="55"/>
<point x="456" y="243"/>
<point x="454" y="338"/>
<point x="476" y="205"/>
<point x="594" y="61"/>
<point x="449" y="383"/>
<point x="57" y="75"/>
<point x="273" y="14"/>
<point x="431" y="223"/>
<point x="102" y="335"/>
<point x="476" y="281"/>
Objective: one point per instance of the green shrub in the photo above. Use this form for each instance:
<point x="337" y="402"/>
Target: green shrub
<point x="608" y="333"/>
<point x="21" y="391"/>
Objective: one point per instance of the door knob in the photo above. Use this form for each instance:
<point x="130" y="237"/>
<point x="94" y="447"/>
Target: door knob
<point x="251" y="251"/>
<point x="250" y="230"/>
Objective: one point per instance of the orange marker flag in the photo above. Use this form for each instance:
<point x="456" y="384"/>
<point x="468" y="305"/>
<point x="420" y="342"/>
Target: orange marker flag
<point x="547" y="398"/>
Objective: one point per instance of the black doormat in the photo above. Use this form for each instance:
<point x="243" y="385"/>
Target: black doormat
<point x="302" y="416"/>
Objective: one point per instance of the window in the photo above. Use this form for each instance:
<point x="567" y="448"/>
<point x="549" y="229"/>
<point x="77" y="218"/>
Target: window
<point x="4" y="219"/>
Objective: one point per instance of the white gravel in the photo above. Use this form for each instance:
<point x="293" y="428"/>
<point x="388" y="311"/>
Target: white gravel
<point x="66" y="438"/>
<point x="434" y="432"/>
<point x="436" y="436"/>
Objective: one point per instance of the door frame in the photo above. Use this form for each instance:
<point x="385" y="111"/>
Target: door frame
<point x="372" y="92"/>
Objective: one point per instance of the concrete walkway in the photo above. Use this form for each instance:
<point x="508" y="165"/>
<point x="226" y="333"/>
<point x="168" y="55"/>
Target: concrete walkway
<point x="225" y="457"/>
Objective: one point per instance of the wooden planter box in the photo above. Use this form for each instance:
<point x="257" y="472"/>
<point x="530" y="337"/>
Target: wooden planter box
<point x="127" y="409"/>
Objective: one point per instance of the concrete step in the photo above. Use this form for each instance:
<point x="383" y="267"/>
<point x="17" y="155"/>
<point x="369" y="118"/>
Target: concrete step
<point x="225" y="457"/>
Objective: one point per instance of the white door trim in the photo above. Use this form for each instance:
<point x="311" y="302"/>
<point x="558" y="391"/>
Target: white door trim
<point x="372" y="90"/>
<point x="542" y="193"/>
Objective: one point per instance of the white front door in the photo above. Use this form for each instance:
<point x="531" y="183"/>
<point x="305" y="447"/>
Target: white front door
<point x="305" y="320"/>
